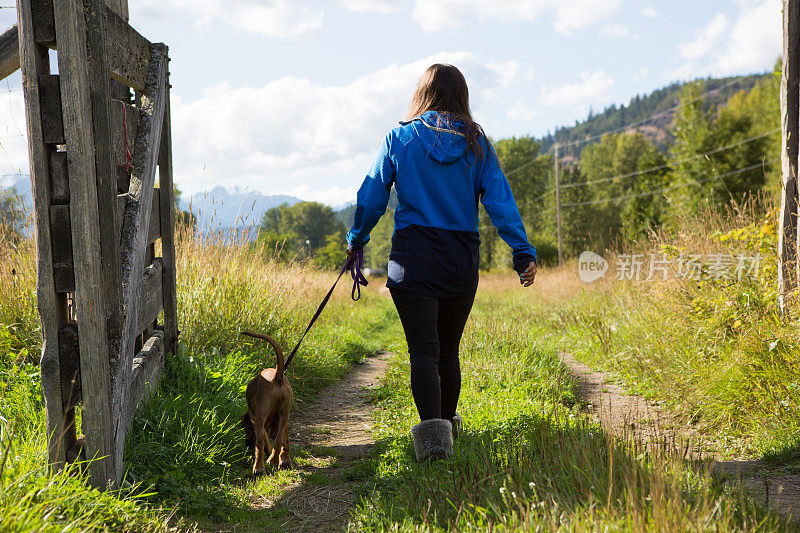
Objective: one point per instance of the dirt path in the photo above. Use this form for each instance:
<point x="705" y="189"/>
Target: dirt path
<point x="334" y="430"/>
<point x="630" y="415"/>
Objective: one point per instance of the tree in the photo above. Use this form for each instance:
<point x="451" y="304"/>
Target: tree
<point x="719" y="178"/>
<point x="376" y="252"/>
<point x="528" y="173"/>
<point x="302" y="229"/>
<point x="611" y="168"/>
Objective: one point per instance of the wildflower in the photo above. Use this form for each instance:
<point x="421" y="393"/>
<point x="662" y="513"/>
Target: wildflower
<point x="531" y="484"/>
<point x="513" y="494"/>
<point x="502" y="490"/>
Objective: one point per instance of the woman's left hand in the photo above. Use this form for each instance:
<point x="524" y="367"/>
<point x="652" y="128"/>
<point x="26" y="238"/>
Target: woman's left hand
<point x="527" y="277"/>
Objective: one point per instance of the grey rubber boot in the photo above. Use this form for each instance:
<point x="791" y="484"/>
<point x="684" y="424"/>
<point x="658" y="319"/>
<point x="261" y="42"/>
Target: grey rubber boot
<point x="433" y="439"/>
<point x="456" y="425"/>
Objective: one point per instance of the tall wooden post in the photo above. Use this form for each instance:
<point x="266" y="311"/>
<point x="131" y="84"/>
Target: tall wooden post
<point x="790" y="108"/>
<point x="98" y="216"/>
<point x="558" y="211"/>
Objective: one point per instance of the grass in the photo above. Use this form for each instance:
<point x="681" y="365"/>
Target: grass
<point x="185" y="458"/>
<point x="529" y="459"/>
<point x="714" y="354"/>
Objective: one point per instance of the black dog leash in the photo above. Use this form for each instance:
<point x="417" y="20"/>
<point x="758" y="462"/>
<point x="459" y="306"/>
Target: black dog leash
<point x="353" y="264"/>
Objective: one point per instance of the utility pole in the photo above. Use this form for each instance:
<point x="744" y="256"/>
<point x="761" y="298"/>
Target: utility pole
<point x="788" y="232"/>
<point x="558" y="212"/>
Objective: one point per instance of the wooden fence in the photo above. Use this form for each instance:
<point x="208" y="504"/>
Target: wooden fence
<point x="98" y="131"/>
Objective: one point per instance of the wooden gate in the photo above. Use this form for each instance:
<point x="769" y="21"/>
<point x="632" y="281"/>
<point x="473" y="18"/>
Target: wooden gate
<point x="98" y="131"/>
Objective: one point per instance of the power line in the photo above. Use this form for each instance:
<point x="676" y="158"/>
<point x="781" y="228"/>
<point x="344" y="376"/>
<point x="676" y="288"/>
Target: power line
<point x="671" y="188"/>
<point x="672" y="163"/>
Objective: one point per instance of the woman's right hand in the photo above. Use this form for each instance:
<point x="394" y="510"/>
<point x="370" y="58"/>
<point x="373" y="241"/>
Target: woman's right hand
<point x="527" y="277"/>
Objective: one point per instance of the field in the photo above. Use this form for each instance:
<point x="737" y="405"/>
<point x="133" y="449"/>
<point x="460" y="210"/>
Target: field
<point x="714" y="354"/>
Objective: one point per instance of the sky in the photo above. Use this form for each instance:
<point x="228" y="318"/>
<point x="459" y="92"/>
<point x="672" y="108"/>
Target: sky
<point x="294" y="97"/>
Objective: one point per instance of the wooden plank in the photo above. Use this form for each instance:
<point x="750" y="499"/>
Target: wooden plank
<point x="154" y="227"/>
<point x="127" y="51"/>
<point x="152" y="300"/>
<point x="105" y="166"/>
<point x="89" y="296"/>
<point x="154" y="231"/>
<point x="52" y="116"/>
<point x="148" y="367"/>
<point x="44" y="25"/>
<point x="9" y="52"/>
<point x="790" y="124"/>
<point x="123" y="114"/>
<point x="35" y="62"/>
<point x="167" y="231"/>
<point x="69" y="360"/>
<point x="59" y="178"/>
<point x="119" y="7"/>
<point x="135" y="228"/>
<point x="60" y="230"/>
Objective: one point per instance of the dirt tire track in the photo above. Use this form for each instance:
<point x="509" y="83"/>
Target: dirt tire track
<point x="339" y="420"/>
<point x="625" y="414"/>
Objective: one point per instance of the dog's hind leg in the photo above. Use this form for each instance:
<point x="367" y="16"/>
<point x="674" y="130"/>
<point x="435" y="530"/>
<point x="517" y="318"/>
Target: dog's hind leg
<point x="262" y="446"/>
<point x="280" y="453"/>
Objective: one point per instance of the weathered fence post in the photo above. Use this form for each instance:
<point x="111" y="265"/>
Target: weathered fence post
<point x="788" y="237"/>
<point x="100" y="287"/>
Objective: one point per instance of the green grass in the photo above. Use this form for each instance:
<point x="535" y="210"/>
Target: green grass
<point x="185" y="457"/>
<point x="528" y="458"/>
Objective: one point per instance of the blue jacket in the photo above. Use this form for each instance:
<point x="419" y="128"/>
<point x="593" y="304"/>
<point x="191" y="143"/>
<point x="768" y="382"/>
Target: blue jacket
<point x="438" y="184"/>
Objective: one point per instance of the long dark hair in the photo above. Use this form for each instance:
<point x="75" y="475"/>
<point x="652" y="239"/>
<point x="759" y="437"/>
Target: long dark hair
<point x="442" y="88"/>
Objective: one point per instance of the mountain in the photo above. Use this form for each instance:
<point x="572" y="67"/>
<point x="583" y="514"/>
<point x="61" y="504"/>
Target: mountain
<point x="661" y="102"/>
<point x="220" y="208"/>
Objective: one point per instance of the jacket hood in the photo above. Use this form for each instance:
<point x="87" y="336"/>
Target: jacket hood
<point x="441" y="141"/>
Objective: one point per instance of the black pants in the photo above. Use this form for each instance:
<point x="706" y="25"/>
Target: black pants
<point x="433" y="328"/>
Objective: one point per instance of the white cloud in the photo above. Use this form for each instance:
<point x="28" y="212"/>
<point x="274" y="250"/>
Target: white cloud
<point x="436" y="15"/>
<point x="293" y="131"/>
<point x="649" y="12"/>
<point x="615" y="31"/>
<point x="520" y="111"/>
<point x="578" y="14"/>
<point x="506" y="72"/>
<point x="274" y="18"/>
<point x="279" y="18"/>
<point x="755" y="40"/>
<point x="592" y="87"/>
<point x="297" y="18"/>
<point x="13" y="133"/>
<point x="706" y="38"/>
<point x="750" y="43"/>
<point x="379" y="6"/>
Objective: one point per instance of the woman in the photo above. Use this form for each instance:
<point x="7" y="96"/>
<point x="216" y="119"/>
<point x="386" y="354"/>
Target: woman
<point x="441" y="164"/>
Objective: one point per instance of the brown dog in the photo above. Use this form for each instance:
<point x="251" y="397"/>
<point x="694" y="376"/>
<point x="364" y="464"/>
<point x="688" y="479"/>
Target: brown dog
<point x="269" y="400"/>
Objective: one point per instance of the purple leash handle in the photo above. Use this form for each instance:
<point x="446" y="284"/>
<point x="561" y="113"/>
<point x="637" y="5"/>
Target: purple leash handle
<point x="353" y="264"/>
<point x="355" y="272"/>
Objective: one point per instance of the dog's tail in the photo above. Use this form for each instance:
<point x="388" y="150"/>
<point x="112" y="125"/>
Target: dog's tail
<point x="279" y="364"/>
